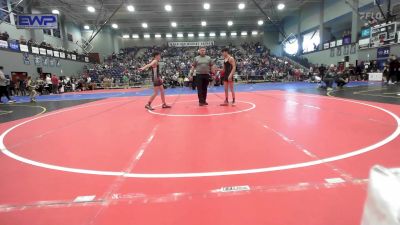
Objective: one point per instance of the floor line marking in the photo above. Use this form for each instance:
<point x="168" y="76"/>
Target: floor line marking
<point x="253" y="106"/>
<point x="44" y="109"/>
<point x="120" y="179"/>
<point x="311" y="106"/>
<point x="220" y="192"/>
<point x="357" y="152"/>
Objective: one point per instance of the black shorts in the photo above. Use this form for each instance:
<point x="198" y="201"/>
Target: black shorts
<point x="226" y="79"/>
<point x="157" y="83"/>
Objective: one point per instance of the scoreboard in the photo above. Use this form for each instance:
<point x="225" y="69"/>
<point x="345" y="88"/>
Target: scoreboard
<point x="384" y="34"/>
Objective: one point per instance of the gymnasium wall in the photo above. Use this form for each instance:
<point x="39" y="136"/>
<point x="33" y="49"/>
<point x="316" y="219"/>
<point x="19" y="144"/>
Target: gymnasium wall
<point x="105" y="43"/>
<point x="13" y="62"/>
<point x="271" y="40"/>
<point x="361" y="55"/>
<point x="310" y="14"/>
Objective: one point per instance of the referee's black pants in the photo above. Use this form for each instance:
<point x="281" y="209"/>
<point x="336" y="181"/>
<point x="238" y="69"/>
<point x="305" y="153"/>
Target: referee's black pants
<point x="4" y="91"/>
<point x="202" y="84"/>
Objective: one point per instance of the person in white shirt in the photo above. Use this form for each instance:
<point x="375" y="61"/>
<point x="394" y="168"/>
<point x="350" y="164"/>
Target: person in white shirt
<point x="48" y="84"/>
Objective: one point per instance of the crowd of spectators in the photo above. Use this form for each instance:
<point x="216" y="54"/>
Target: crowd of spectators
<point x="254" y="62"/>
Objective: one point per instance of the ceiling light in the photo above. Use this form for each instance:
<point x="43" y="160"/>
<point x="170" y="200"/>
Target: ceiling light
<point x="135" y="36"/>
<point x="114" y="25"/>
<point x="125" y="36"/>
<point x="281" y="6"/>
<point x="254" y="32"/>
<point x="190" y="35"/>
<point x="244" y="33"/>
<point x="55" y="11"/>
<point x="169" y="35"/>
<point x="168" y="8"/>
<point x="174" y="24"/>
<point x="147" y="36"/>
<point x="130" y="8"/>
<point x="230" y="23"/>
<point x="86" y="27"/>
<point x="157" y="35"/>
<point x="203" y="23"/>
<point x="233" y="33"/>
<point x="91" y="9"/>
<point x="180" y="35"/>
<point x="222" y="34"/>
<point x="201" y="35"/>
<point x="206" y="6"/>
<point x="241" y="6"/>
<point x="260" y="22"/>
<point x="144" y="25"/>
<point x="212" y="34"/>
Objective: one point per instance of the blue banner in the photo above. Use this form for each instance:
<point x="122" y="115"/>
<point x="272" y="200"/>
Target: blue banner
<point x="383" y="52"/>
<point x="37" y="21"/>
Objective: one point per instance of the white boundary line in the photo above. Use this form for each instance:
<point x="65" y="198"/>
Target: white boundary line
<point x="372" y="147"/>
<point x="253" y="106"/>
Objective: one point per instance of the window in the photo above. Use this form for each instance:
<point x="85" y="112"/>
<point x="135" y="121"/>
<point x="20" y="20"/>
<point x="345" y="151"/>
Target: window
<point x="57" y="32"/>
<point x="4" y="10"/>
<point x="311" y="41"/>
<point x="291" y="45"/>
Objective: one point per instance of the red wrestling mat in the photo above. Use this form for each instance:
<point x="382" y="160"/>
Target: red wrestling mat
<point x="273" y="158"/>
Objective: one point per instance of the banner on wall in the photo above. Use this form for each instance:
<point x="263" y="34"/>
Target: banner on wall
<point x="383" y="52"/>
<point x="52" y="62"/>
<point x="191" y="44"/>
<point x="3" y="44"/>
<point x="37" y="60"/>
<point x="45" y="61"/>
<point x="346" y="50"/>
<point x="24" y="48"/>
<point x="35" y="50"/>
<point x="353" y="49"/>
<point x="42" y="51"/>
<point x="25" y="57"/>
<point x="37" y="21"/>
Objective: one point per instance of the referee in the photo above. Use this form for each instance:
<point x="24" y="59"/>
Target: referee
<point x="203" y="66"/>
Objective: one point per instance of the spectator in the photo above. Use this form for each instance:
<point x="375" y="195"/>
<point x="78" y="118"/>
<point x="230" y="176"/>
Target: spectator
<point x="55" y="82"/>
<point x="4" y="36"/>
<point x="3" y="87"/>
<point x="329" y="77"/>
<point x="48" y="85"/>
<point x="394" y="66"/>
<point x="343" y="79"/>
<point x="31" y="89"/>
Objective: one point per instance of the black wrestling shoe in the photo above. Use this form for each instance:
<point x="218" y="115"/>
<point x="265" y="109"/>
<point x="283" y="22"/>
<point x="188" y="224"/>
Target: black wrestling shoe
<point x="205" y="103"/>
<point x="202" y="104"/>
<point x="226" y="103"/>
<point x="165" y="106"/>
<point x="148" y="107"/>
